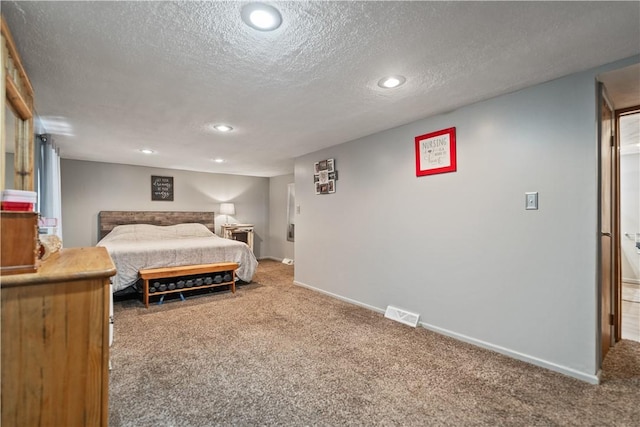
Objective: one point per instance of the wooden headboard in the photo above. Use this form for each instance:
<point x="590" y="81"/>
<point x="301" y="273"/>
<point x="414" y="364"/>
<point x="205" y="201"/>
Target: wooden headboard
<point x="107" y="220"/>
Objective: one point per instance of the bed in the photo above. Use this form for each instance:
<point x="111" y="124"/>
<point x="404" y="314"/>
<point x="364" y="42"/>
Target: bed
<point x="139" y="240"/>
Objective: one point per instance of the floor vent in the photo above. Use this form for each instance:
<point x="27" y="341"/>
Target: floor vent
<point x="402" y="316"/>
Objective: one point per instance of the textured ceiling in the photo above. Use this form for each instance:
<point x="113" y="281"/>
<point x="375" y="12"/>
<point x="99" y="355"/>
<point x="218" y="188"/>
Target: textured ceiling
<point x="131" y="75"/>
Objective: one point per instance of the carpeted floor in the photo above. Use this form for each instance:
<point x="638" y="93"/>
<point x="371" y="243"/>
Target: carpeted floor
<point x="278" y="354"/>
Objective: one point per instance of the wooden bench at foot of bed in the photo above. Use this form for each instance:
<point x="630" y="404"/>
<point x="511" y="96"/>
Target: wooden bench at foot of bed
<point x="187" y="270"/>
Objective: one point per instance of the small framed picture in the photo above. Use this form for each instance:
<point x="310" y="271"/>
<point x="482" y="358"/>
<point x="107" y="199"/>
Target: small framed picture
<point x="318" y="188"/>
<point x="331" y="165"/>
<point x="436" y="152"/>
<point x="331" y="186"/>
<point x="162" y="188"/>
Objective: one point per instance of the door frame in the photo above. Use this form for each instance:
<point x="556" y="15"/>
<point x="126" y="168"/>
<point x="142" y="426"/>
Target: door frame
<point x="618" y="277"/>
<point x="613" y="317"/>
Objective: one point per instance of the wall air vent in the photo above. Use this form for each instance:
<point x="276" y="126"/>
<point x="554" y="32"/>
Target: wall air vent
<point x="402" y="316"/>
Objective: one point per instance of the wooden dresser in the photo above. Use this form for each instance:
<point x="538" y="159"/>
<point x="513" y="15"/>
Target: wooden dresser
<point x="18" y="242"/>
<point x="55" y="341"/>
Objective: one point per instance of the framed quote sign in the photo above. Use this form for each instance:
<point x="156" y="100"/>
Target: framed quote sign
<point x="162" y="188"/>
<point x="436" y="152"/>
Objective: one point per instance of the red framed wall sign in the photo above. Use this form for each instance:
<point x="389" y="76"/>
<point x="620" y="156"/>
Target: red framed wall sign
<point x="436" y="152"/>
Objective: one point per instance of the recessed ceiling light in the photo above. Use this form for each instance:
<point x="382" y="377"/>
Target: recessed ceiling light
<point x="223" y="128"/>
<point x="146" y="151"/>
<point x="218" y="160"/>
<point x="261" y="17"/>
<point x="391" y="82"/>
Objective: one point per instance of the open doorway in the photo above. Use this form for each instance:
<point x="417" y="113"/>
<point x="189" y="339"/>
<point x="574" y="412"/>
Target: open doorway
<point x="628" y="123"/>
<point x="622" y="89"/>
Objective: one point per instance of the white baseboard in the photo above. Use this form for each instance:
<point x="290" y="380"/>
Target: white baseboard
<point x="271" y="258"/>
<point x="340" y="297"/>
<point x="290" y="261"/>
<point x="629" y="280"/>
<point x="592" y="379"/>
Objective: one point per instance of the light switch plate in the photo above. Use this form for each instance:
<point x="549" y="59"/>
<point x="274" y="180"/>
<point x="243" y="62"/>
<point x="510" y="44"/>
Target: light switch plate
<point x="531" y="200"/>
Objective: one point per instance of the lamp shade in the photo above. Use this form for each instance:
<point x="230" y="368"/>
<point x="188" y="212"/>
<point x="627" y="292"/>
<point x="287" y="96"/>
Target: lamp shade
<point x="227" y="209"/>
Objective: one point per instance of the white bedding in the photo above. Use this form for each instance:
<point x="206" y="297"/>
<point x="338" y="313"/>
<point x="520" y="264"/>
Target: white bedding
<point x="139" y="246"/>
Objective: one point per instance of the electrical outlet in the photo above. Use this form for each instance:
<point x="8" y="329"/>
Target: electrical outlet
<point x="531" y="200"/>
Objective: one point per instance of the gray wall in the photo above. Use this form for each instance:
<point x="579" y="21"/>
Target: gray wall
<point x="459" y="248"/>
<point x="90" y="187"/>
<point x="9" y="171"/>
<point x="279" y="246"/>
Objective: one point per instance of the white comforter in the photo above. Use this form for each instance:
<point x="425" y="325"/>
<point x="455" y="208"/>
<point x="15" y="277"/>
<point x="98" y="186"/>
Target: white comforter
<point x="140" y="246"/>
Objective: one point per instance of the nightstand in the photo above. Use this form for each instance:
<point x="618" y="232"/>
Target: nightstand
<point x="239" y="232"/>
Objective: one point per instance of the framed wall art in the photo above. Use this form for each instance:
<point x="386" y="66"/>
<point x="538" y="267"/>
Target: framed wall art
<point x="162" y="188"/>
<point x="325" y="176"/>
<point x="436" y="152"/>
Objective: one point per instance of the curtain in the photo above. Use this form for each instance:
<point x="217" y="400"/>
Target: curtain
<point x="48" y="177"/>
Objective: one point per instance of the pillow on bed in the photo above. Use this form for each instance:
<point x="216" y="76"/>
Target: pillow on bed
<point x="136" y="232"/>
<point x="191" y="230"/>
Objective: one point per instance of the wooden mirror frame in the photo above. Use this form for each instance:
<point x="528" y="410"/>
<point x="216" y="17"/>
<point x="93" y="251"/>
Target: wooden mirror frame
<point x="18" y="94"/>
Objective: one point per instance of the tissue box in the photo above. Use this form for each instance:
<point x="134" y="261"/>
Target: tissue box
<point x="47" y="222"/>
<point x="18" y="200"/>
